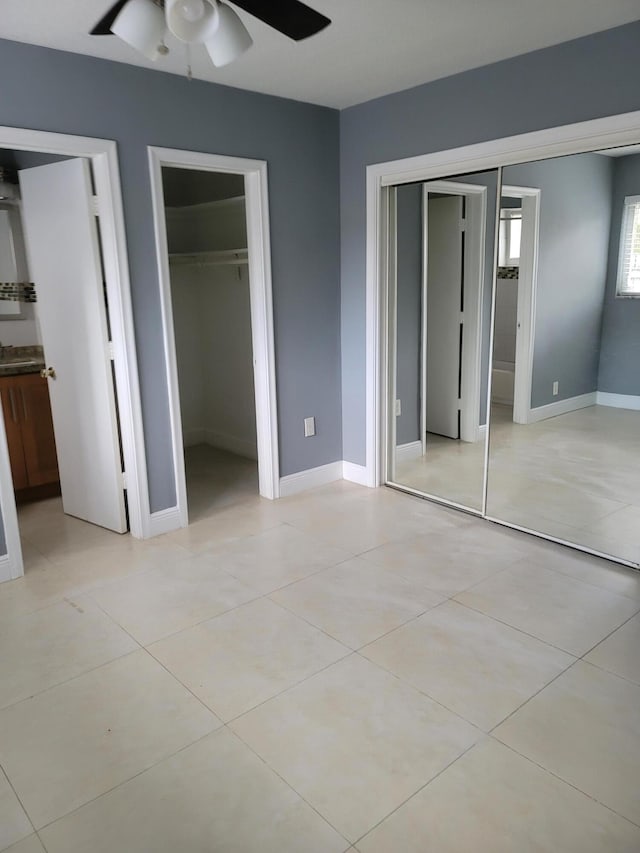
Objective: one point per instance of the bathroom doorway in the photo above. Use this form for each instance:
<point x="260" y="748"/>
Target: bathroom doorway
<point x="69" y="428"/>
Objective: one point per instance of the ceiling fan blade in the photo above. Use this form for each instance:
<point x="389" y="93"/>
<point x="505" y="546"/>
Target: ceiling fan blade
<point x="290" y="17"/>
<point x="103" y="27"/>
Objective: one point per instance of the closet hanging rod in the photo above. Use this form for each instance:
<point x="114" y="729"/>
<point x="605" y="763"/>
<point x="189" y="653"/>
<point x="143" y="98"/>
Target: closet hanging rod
<point x="222" y="257"/>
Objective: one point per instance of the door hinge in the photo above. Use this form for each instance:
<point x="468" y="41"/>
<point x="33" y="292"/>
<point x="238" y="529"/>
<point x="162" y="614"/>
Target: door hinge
<point x="124" y="479"/>
<point x="95" y="207"/>
<point x="463" y="224"/>
<point x="111" y="350"/>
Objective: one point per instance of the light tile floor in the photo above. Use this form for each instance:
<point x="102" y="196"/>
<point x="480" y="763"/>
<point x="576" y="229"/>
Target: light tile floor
<point x="347" y="669"/>
<point x="575" y="476"/>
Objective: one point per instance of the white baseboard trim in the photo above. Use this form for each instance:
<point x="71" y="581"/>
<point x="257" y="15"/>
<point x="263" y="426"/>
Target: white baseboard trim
<point x="5" y="568"/>
<point x="355" y="473"/>
<point x="164" y="521"/>
<point x="9" y="570"/>
<point x="310" y="479"/>
<point x="411" y="450"/>
<point x="618" y="401"/>
<point x="562" y="407"/>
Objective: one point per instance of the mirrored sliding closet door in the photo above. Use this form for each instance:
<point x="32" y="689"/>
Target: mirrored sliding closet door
<point x="439" y="289"/>
<point x="551" y="251"/>
<point x="564" y="456"/>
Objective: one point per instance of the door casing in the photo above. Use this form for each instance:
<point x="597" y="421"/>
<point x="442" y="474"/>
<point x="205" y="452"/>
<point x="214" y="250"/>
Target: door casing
<point x="102" y="154"/>
<point x="259" y="255"/>
<point x="526" y="316"/>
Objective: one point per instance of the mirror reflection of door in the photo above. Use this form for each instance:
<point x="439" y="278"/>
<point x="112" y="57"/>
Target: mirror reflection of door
<point x="440" y="273"/>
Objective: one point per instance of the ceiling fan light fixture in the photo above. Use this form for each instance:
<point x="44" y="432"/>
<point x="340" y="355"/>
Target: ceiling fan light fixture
<point x="230" y="40"/>
<point x="141" y="25"/>
<point x="192" y="21"/>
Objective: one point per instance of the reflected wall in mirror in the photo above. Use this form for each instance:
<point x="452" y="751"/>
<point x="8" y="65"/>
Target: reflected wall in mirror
<point x="565" y="401"/>
<point x="441" y="260"/>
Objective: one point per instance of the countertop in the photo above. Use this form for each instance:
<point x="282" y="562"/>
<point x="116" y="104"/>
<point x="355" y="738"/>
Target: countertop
<point x="15" y="361"/>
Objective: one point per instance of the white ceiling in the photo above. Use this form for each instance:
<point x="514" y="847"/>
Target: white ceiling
<point x="373" y="47"/>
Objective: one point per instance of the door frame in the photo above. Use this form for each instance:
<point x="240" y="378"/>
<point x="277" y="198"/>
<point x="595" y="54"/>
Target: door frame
<point x="474" y="262"/>
<point x="102" y="153"/>
<point x="260" y="290"/>
<point x="526" y="308"/>
<point x="581" y="137"/>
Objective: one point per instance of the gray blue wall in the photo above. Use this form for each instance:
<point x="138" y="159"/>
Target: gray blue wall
<point x="575" y="81"/>
<point x="573" y="244"/>
<point x="620" y="345"/>
<point x="68" y="93"/>
<point x="409" y="311"/>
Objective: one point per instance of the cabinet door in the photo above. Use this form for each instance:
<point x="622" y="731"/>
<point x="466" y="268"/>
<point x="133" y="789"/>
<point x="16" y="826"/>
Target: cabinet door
<point x="37" y="429"/>
<point x="11" y="412"/>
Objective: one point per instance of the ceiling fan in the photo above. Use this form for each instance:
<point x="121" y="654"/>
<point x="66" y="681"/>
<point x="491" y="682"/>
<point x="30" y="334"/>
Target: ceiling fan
<point x="143" y="24"/>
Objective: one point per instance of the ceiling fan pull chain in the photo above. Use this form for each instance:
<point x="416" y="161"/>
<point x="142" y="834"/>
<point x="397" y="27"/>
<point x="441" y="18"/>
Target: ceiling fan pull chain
<point x="189" y="71"/>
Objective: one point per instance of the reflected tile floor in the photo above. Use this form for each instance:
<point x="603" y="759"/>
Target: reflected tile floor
<point x="575" y="476"/>
<point x="346" y="669"/>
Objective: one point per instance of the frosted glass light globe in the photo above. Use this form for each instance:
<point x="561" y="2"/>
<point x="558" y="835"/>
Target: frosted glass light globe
<point x="192" y="10"/>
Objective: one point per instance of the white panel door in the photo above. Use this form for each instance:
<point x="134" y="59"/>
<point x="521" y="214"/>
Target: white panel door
<point x="64" y="262"/>
<point x="444" y="283"/>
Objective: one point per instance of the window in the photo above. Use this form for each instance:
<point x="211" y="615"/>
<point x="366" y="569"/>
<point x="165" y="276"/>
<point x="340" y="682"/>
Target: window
<point x="628" y="281"/>
<point x="509" y="239"/>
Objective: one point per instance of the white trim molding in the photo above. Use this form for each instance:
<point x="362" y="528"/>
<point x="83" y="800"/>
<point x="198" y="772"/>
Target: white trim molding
<point x="608" y="132"/>
<point x="355" y="473"/>
<point x="259" y="256"/>
<point x="562" y="407"/>
<point x="410" y="450"/>
<point x="164" y="521"/>
<point x="292" y="484"/>
<point x="11" y="565"/>
<point x="527" y="288"/>
<point x="618" y="401"/>
<point x="102" y="154"/>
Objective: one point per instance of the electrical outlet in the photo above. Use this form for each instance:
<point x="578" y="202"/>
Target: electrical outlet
<point x="309" y="427"/>
<point x="556" y="388"/>
<point x="398" y="408"/>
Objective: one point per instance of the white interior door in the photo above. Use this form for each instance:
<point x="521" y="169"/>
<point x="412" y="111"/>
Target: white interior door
<point x="444" y="283"/>
<point x="64" y="262"/>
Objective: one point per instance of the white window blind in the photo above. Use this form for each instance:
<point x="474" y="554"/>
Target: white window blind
<point x="628" y="283"/>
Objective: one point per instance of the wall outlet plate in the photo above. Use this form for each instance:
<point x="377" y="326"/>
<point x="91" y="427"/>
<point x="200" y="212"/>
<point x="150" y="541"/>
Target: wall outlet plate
<point x="556" y="388"/>
<point x="309" y="427"/>
<point x="398" y="408"/>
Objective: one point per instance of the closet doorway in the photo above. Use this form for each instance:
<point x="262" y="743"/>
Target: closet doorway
<point x="213" y="252"/>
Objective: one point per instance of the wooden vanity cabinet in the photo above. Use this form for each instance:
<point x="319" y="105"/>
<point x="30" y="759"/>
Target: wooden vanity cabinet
<point x="29" y="427"/>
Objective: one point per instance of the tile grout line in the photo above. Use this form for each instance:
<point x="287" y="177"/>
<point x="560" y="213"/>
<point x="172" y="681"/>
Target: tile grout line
<point x="284" y="781"/>
<point x="17" y="796"/>
<point x="582" y="580"/>
<point x="415" y="793"/>
<point x="533" y="696"/>
<point x="125" y="781"/>
<point x="564" y="781"/>
<point x="526" y="633"/>
<point x="610" y="634"/>
<point x="72" y="678"/>
<point x="280" y="693"/>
